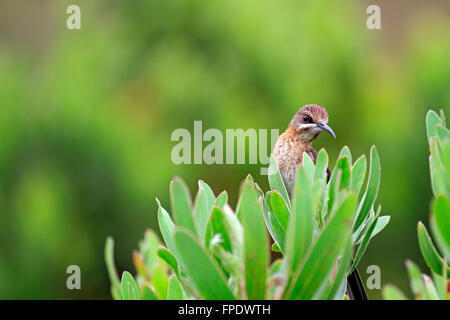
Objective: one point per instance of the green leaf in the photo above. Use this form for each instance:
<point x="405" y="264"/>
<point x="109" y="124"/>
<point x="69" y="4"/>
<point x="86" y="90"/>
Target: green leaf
<point x="129" y="288"/>
<point x="373" y="185"/>
<point x="432" y="293"/>
<point x="276" y="267"/>
<point x="440" y="283"/>
<point x="429" y="252"/>
<point x="160" y="279"/>
<point x="275" y="247"/>
<point x="167" y="227"/>
<point x="441" y="210"/>
<point x="358" y="174"/>
<point x="201" y="268"/>
<point x="256" y="246"/>
<point x="221" y="200"/>
<point x="381" y="223"/>
<point x="280" y="209"/>
<point x="363" y="246"/>
<point x="269" y="219"/>
<point x="275" y="180"/>
<point x="181" y="204"/>
<point x="174" y="292"/>
<point x="279" y="233"/>
<point x="308" y="164"/>
<point x="301" y="225"/>
<point x="391" y="292"/>
<point x="442" y="132"/>
<point x="169" y="258"/>
<point x="311" y="277"/>
<point x="148" y="293"/>
<point x="204" y="202"/>
<point x="415" y="280"/>
<point x="109" y="259"/>
<point x="438" y="172"/>
<point x="432" y="119"/>
<point x="345" y="152"/>
<point x="148" y="248"/>
<point x="320" y="171"/>
<point x="217" y="225"/>
<point x="346" y="178"/>
<point x="333" y="187"/>
<point x="334" y="292"/>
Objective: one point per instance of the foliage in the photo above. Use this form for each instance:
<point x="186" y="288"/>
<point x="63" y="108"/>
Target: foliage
<point x="87" y="116"/>
<point x="213" y="252"/>
<point x="437" y="286"/>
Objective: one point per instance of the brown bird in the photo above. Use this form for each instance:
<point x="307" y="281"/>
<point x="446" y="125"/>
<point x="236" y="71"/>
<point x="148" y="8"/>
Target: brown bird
<point x="304" y="127"/>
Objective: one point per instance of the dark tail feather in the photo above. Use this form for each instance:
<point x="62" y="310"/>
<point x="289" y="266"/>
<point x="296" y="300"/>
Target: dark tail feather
<point x="355" y="287"/>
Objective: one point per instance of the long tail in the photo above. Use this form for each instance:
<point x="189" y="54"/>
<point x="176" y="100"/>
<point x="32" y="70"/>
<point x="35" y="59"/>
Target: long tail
<point x="355" y="286"/>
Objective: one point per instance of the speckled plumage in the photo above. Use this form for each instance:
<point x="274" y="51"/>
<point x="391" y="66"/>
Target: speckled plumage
<point x="298" y="137"/>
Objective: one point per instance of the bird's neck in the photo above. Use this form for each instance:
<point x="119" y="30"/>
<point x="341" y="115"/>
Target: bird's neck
<point x="298" y="138"/>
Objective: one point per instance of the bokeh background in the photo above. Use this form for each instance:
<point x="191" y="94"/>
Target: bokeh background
<point x="86" y="116"/>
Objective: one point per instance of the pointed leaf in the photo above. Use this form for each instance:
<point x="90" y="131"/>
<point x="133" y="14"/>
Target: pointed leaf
<point x="221" y="200"/>
<point x="109" y="259"/>
<point x="358" y="174"/>
<point x="204" y="202"/>
<point x="320" y="171"/>
<point x="217" y="225"/>
<point x="432" y="119"/>
<point x="441" y="210"/>
<point x="201" y="268"/>
<point x="429" y="252"/>
<point x="339" y="278"/>
<point x="310" y="277"/>
<point x="256" y="246"/>
<point x="169" y="258"/>
<point x="301" y="224"/>
<point x="280" y="209"/>
<point x="373" y="185"/>
<point x="181" y="204"/>
<point x="275" y="180"/>
<point x="174" y="292"/>
<point x="167" y="227"/>
<point x="129" y="288"/>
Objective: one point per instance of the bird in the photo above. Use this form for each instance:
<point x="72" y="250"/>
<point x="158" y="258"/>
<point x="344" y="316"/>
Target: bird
<point x="305" y="126"/>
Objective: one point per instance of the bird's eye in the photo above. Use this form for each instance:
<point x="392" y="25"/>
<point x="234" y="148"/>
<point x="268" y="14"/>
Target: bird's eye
<point x="307" y="118"/>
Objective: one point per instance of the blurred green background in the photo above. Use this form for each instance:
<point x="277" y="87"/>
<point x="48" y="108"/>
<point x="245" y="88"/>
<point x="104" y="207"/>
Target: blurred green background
<point x="86" y="116"/>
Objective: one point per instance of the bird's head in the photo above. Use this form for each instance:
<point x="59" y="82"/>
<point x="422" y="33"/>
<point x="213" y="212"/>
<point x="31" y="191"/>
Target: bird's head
<point x="309" y="122"/>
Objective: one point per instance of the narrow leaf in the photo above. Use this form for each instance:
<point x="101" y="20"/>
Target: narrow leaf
<point x="275" y="180"/>
<point x="372" y="189"/>
<point x="201" y="268"/>
<point x="169" y="258"/>
<point x="256" y="246"/>
<point x="110" y="265"/>
<point x="429" y="252"/>
<point x="280" y="209"/>
<point x="174" y="292"/>
<point x="129" y="288"/>
<point x="204" y="202"/>
<point x="358" y="174"/>
<point x="181" y="204"/>
<point x="307" y="280"/>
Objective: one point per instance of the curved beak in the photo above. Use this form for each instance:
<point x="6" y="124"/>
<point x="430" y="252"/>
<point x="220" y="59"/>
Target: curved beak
<point x="323" y="126"/>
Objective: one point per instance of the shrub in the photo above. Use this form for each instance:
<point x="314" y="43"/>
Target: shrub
<point x="213" y="252"/>
<point x="437" y="286"/>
